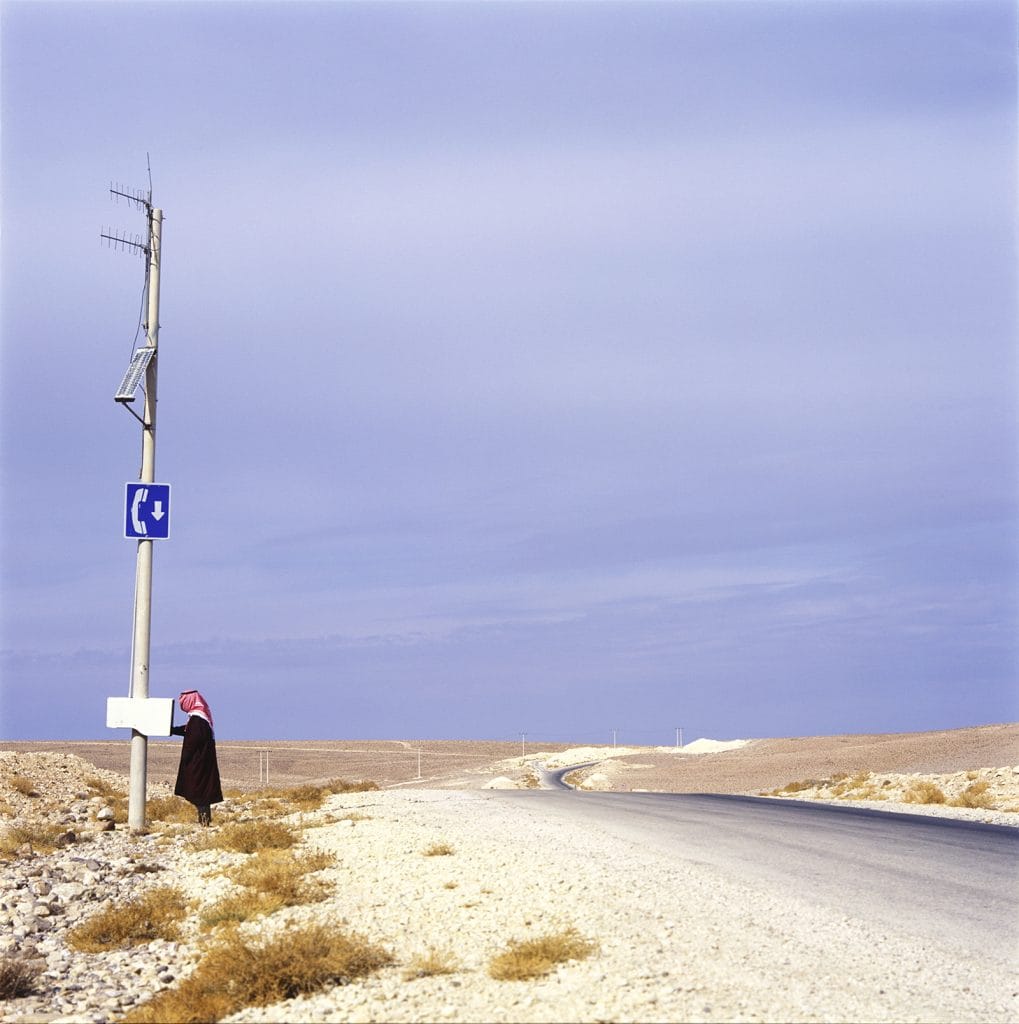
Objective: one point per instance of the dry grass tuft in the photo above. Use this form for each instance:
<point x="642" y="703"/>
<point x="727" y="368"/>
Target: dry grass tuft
<point x="797" y="787"/>
<point x="348" y="786"/>
<point x="250" y="836"/>
<point x="24" y="785"/>
<point x="433" y="962"/>
<point x="116" y="798"/>
<point x="533" y="958"/>
<point x="170" y="809"/>
<point x="40" y="837"/>
<point x="306" y="798"/>
<point x="100" y="787"/>
<point x="974" y="795"/>
<point x="238" y="908"/>
<point x="438" y="850"/>
<point x="292" y="799"/>
<point x="272" y="879"/>
<point x="18" y="978"/>
<point x="235" y="974"/>
<point x="155" y="915"/>
<point x="281" y="875"/>
<point x="922" y="791"/>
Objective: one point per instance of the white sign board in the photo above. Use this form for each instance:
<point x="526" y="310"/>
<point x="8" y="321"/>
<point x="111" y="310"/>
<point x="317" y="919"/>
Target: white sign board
<point x="151" y="716"/>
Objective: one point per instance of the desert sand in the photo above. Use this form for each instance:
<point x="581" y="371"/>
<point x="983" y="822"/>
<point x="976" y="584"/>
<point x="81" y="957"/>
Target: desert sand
<point x="675" y="941"/>
<point x="706" y="765"/>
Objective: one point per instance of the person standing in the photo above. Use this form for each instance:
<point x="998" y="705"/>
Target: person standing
<point x="198" y="774"/>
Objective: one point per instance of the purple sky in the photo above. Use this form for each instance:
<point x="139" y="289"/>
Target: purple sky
<point x="523" y="367"/>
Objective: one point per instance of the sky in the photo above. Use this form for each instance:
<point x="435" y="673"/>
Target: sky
<point x="582" y="370"/>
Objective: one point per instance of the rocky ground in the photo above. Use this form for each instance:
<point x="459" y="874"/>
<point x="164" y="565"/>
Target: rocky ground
<point x="673" y="944"/>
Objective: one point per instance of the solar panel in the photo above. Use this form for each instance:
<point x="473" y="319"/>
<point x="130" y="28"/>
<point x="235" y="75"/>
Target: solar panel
<point x="139" y="362"/>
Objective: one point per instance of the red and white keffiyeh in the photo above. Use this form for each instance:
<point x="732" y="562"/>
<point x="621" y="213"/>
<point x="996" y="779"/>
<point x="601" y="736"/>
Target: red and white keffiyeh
<point x="193" y="703"/>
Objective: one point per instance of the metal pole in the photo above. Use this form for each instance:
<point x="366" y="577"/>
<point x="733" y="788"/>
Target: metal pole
<point x="523" y="736"/>
<point x="613" y="737"/>
<point x="143" y="571"/>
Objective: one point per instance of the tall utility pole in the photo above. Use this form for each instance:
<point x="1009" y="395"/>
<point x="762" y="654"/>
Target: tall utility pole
<point x="147" y="357"/>
<point x="143" y="570"/>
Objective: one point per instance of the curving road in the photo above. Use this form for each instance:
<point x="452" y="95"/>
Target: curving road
<point x="938" y="879"/>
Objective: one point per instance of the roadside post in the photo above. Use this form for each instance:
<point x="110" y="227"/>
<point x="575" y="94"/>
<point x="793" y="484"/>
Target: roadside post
<point x="146" y="510"/>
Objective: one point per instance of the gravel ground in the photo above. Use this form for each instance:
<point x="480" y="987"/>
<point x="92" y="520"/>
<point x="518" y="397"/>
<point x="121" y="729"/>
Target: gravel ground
<point x="676" y="942"/>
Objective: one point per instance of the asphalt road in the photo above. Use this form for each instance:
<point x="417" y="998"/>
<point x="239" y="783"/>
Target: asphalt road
<point x="939" y="880"/>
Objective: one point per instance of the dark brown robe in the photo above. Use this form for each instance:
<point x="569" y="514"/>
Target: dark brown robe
<point x="198" y="775"/>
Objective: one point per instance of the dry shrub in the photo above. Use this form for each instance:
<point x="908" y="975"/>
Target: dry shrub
<point x="438" y="850"/>
<point x="974" y="795"/>
<point x="796" y="787"/>
<point x="532" y="958"/>
<point x="100" y="787"/>
<point x="922" y="791"/>
<point x="23" y="785"/>
<point x="306" y="798"/>
<point x="235" y="974"/>
<point x="280" y="874"/>
<point x="269" y="806"/>
<point x="249" y="836"/>
<point x="800" y="786"/>
<point x="116" y="798"/>
<point x="292" y="799"/>
<point x="240" y="907"/>
<point x="18" y="977"/>
<point x="169" y="809"/>
<point x="154" y="915"/>
<point x="40" y="836"/>
<point x="433" y="962"/>
<point x="347" y="786"/>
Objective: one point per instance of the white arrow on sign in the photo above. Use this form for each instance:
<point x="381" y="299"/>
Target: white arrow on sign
<point x="157" y="510"/>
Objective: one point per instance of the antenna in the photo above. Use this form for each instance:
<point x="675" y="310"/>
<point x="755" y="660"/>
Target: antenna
<point x="136" y="196"/>
<point x="124" y="241"/>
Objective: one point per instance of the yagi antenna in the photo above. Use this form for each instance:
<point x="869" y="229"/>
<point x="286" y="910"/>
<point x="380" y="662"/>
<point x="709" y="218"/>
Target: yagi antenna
<point x="124" y="241"/>
<point x="136" y="196"/>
